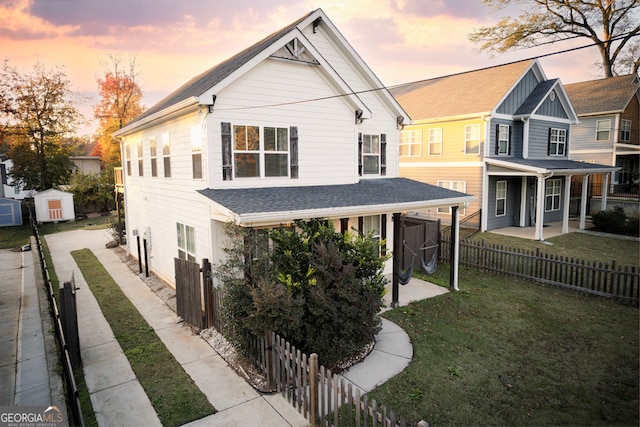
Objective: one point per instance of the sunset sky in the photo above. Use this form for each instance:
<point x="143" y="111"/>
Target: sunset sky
<point x="172" y="41"/>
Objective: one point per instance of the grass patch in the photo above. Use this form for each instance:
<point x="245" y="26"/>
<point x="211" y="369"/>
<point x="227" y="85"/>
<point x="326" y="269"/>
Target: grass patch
<point x="173" y="394"/>
<point x="503" y="351"/>
<point x="576" y="245"/>
<point x="15" y="237"/>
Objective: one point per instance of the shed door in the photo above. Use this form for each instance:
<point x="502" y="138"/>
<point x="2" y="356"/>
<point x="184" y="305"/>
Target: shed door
<point x="55" y="209"/>
<point x="7" y="214"/>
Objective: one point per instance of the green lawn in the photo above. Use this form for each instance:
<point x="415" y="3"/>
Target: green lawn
<point x="508" y="352"/>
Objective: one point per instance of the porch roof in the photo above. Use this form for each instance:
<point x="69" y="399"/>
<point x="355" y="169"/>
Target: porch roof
<point x="273" y="205"/>
<point x="549" y="166"/>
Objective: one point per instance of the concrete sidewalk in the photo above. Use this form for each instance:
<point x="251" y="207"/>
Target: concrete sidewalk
<point x="29" y="364"/>
<point x="118" y="398"/>
<point x="116" y="395"/>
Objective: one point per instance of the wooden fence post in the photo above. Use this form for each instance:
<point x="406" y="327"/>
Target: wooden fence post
<point x="313" y="389"/>
<point x="207" y="318"/>
<point x="268" y="359"/>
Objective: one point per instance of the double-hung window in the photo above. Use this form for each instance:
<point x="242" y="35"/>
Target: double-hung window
<point x="472" y="139"/>
<point x="460" y="186"/>
<point x="625" y="130"/>
<point x="276" y="151"/>
<point x="153" y="155"/>
<point x="140" y="165"/>
<point x="196" y="152"/>
<point x="186" y="242"/>
<point x="411" y="143"/>
<point x="166" y="155"/>
<point x="246" y="153"/>
<point x="553" y="192"/>
<point x="370" y="154"/>
<point x="435" y="142"/>
<point x="503" y="140"/>
<point x="501" y="198"/>
<point x="372" y="225"/>
<point x="127" y="156"/>
<point x="603" y="130"/>
<point x="557" y="142"/>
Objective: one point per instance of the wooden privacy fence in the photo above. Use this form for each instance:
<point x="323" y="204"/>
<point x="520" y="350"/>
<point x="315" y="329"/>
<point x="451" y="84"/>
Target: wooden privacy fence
<point x="197" y="302"/>
<point x="598" y="278"/>
<point x="323" y="398"/>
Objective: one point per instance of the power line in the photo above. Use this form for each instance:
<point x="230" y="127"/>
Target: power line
<point x="355" y="93"/>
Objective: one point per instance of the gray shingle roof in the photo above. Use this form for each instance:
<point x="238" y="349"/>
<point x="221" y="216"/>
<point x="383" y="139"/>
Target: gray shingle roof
<point x="205" y="81"/>
<point x="534" y="99"/>
<point x="459" y="94"/>
<point x="603" y="95"/>
<point x="560" y="164"/>
<point x="370" y="192"/>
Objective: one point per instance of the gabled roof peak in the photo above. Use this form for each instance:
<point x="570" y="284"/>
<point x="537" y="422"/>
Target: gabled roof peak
<point x="607" y="95"/>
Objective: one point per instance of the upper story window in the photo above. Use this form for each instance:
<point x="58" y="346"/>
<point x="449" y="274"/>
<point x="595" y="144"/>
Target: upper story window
<point x="435" y="142"/>
<point x="255" y="152"/>
<point x="557" y="142"/>
<point x="166" y="155"/>
<point x="127" y="156"/>
<point x="250" y="153"/>
<point x="196" y="152"/>
<point x="153" y="155"/>
<point x="370" y="154"/>
<point x="411" y="143"/>
<point x="603" y="129"/>
<point x="472" y="139"/>
<point x="503" y="140"/>
<point x="140" y="165"/>
<point x="625" y="130"/>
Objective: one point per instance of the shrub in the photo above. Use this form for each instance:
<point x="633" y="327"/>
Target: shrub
<point x="319" y="289"/>
<point x="616" y="221"/>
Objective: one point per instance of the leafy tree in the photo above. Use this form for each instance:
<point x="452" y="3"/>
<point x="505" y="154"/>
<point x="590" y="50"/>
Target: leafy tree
<point x="609" y="24"/>
<point x="320" y="289"/>
<point x="120" y="98"/>
<point x="37" y="115"/>
<point x="92" y="191"/>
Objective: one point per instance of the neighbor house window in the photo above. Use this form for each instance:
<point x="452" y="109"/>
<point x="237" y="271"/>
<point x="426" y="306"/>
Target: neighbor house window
<point x="411" y="143"/>
<point x="196" y="151"/>
<point x="370" y="154"/>
<point x="603" y="128"/>
<point x="472" y="139"/>
<point x="372" y="224"/>
<point x="153" y="154"/>
<point x="166" y="155"/>
<point x="501" y="198"/>
<point x="435" y="142"/>
<point x="503" y="140"/>
<point x="552" y="195"/>
<point x="460" y="186"/>
<point x="140" y="166"/>
<point x="186" y="242"/>
<point x="625" y="130"/>
<point x="557" y="142"/>
<point x="127" y="155"/>
<point x="276" y="151"/>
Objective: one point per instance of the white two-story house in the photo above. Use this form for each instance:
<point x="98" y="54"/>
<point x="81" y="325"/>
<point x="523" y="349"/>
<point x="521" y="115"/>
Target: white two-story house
<point x="294" y="127"/>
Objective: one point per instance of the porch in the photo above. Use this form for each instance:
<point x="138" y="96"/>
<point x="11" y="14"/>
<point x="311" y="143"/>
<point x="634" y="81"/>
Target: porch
<point x="551" y="229"/>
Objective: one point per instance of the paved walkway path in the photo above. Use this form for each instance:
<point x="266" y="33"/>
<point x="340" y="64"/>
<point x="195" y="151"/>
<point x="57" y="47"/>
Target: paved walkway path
<point x="116" y="395"/>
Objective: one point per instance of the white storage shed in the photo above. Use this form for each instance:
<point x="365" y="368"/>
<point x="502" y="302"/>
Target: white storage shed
<point x="54" y="205"/>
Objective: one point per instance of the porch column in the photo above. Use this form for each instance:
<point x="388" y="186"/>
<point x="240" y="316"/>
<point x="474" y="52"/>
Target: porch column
<point x="484" y="200"/>
<point x="523" y="202"/>
<point x="565" y="205"/>
<point x="397" y="250"/>
<point x="605" y="190"/>
<point x="455" y="246"/>
<point x="583" y="200"/>
<point x="539" y="208"/>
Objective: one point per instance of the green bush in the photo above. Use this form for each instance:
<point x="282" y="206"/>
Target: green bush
<point x="319" y="289"/>
<point x="616" y="221"/>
